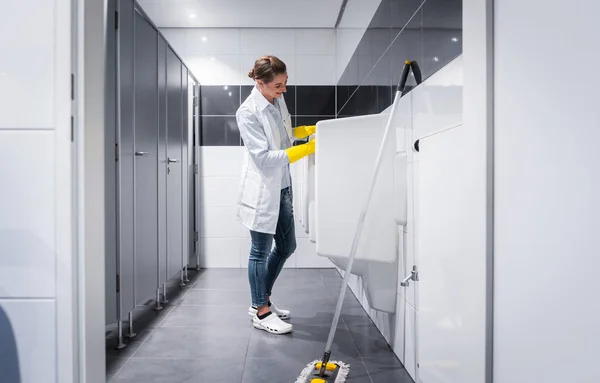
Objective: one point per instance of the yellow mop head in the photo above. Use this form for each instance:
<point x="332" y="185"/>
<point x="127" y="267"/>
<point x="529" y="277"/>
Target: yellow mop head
<point x="335" y="372"/>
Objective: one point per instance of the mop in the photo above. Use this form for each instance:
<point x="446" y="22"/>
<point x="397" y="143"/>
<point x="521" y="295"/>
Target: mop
<point x="325" y="370"/>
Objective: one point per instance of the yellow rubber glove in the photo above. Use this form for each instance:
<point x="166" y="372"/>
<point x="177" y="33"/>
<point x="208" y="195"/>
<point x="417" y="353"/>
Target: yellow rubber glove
<point x="304" y="131"/>
<point x="300" y="151"/>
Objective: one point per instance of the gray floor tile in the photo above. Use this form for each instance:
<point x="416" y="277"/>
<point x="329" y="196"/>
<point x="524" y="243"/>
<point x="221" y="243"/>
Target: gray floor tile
<point x="220" y="274"/>
<point x="216" y="298"/>
<point x="285" y="368"/>
<point x="387" y="368"/>
<point x="132" y="345"/>
<point x="226" y="283"/>
<point x="369" y="341"/>
<point x="304" y="343"/>
<point x="330" y="274"/>
<point x="180" y="371"/>
<point x="113" y="365"/>
<point x="195" y="343"/>
<point x="216" y="317"/>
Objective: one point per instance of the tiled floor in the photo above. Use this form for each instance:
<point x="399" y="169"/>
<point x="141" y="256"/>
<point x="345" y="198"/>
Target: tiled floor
<point x="205" y="335"/>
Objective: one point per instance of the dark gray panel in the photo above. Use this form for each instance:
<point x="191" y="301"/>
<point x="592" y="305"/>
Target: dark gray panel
<point x="185" y="161"/>
<point x="315" y="100"/>
<point x="146" y="172"/>
<point x="174" y="170"/>
<point x="126" y="160"/>
<point x="220" y="131"/>
<point x="162" y="160"/>
<point x="110" y="185"/>
<point x="220" y="100"/>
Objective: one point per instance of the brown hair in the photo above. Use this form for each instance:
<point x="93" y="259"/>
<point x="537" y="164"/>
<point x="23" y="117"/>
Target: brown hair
<point x="266" y="68"/>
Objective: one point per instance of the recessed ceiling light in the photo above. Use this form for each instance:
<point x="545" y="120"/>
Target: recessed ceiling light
<point x="229" y="94"/>
<point x="436" y="59"/>
<point x="226" y="87"/>
<point x="192" y="15"/>
<point x="212" y="59"/>
<point x="455" y="39"/>
<point x="204" y="39"/>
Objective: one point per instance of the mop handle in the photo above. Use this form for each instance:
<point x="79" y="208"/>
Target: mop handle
<point x="359" y="229"/>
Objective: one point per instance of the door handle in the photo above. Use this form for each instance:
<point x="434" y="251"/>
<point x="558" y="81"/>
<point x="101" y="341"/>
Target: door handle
<point x="170" y="160"/>
<point x="414" y="276"/>
<point x="141" y="153"/>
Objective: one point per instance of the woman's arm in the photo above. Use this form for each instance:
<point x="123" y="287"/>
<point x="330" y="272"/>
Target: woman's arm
<point x="255" y="140"/>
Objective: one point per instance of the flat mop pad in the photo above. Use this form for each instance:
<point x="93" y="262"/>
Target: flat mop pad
<point x="336" y="372"/>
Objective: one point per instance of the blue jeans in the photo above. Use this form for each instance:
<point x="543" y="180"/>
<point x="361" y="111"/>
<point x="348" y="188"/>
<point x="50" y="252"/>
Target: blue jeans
<point x="265" y="262"/>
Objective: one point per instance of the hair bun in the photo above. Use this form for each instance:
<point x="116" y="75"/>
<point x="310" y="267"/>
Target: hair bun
<point x="251" y="74"/>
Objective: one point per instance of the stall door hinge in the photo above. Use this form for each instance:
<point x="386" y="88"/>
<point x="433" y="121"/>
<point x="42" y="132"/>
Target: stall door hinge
<point x="116" y="151"/>
<point x="195" y="168"/>
<point x="118" y="283"/>
<point x="116" y="20"/>
<point x="195" y="101"/>
<point x="196" y="236"/>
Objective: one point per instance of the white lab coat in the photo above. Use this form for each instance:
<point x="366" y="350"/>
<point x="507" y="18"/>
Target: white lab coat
<point x="260" y="186"/>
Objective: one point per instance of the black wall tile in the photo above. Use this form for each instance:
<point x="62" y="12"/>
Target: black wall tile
<point x="220" y="131"/>
<point x="315" y="100"/>
<point x="289" y="96"/>
<point x="312" y="120"/>
<point x="220" y="100"/>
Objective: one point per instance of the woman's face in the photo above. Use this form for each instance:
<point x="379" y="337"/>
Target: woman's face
<point x="275" y="88"/>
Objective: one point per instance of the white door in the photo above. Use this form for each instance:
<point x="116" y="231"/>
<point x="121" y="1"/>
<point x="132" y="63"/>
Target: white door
<point x="452" y="284"/>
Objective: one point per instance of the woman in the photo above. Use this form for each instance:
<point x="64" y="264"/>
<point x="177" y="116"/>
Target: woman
<point x="265" y="200"/>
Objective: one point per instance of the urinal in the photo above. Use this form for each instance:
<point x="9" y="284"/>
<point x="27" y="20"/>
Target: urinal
<point x="346" y="154"/>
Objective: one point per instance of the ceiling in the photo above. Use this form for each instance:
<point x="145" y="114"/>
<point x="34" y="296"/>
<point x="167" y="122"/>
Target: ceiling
<point x="243" y="13"/>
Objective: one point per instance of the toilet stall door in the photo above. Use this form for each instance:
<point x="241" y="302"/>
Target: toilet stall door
<point x="174" y="165"/>
<point x="162" y="162"/>
<point x="145" y="170"/>
<point x="125" y="162"/>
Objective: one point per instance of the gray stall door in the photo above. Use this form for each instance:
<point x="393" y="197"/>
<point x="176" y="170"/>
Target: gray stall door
<point x="125" y="176"/>
<point x="146" y="169"/>
<point x="162" y="162"/>
<point x="174" y="165"/>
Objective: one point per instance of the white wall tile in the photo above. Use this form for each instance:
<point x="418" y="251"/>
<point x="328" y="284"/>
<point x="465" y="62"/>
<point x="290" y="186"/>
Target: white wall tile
<point x="261" y="41"/>
<point x="27" y="65"/>
<point x="212" y="41"/>
<point x="219" y="222"/>
<point x="176" y="37"/>
<point x="34" y="328"/>
<point x="219" y="191"/>
<point x="220" y="252"/>
<point x="214" y="69"/>
<point x="306" y="254"/>
<point x="315" y="70"/>
<point x="27" y="237"/>
<point x="347" y="39"/>
<point x="315" y="41"/>
<point x="221" y="161"/>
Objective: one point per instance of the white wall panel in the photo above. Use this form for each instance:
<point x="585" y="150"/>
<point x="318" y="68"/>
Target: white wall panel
<point x="214" y="69"/>
<point x="221" y="161"/>
<point x="28" y="41"/>
<point x="315" y="70"/>
<point x="211" y="41"/>
<point x="262" y="41"/>
<point x="27" y="221"/>
<point x="315" y="41"/>
<point x="219" y="191"/>
<point x="546" y="192"/>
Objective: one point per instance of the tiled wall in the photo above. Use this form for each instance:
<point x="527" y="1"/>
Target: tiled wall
<point x="428" y="31"/>
<point x="221" y="59"/>
<point x="34" y="143"/>
<point x="307" y="104"/>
